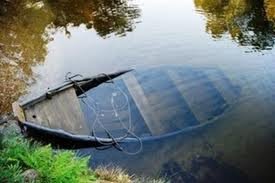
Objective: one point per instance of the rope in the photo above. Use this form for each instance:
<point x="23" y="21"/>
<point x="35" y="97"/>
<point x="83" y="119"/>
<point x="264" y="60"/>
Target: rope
<point x="92" y="105"/>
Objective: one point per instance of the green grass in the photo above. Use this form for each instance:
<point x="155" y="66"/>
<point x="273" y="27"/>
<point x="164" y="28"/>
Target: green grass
<point x="19" y="154"/>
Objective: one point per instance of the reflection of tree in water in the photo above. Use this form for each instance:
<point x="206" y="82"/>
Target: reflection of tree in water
<point x="105" y="16"/>
<point x="270" y="9"/>
<point x="24" y="33"/>
<point x="249" y="22"/>
<point x="22" y="45"/>
<point x="203" y="169"/>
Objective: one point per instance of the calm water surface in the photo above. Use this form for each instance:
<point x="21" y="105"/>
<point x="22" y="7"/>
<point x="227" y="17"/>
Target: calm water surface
<point x="231" y="42"/>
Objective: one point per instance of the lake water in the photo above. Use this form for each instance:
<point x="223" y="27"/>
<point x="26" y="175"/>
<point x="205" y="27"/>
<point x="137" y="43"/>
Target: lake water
<point x="225" y="49"/>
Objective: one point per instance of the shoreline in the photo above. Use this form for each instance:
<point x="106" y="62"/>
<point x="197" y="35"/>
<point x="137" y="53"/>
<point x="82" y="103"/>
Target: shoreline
<point x="29" y="173"/>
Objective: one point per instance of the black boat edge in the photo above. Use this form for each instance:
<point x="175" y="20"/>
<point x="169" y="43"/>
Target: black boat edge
<point x="85" y="84"/>
<point x="65" y="140"/>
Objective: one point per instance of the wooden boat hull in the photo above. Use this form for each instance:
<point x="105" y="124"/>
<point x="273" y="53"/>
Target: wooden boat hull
<point x="162" y="100"/>
<point x="49" y="118"/>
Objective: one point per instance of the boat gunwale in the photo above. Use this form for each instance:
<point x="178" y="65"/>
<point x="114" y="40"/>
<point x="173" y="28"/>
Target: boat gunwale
<point x="93" y="81"/>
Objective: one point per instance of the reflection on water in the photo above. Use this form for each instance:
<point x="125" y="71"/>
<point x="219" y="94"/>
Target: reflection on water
<point x="270" y="10"/>
<point x="21" y="46"/>
<point x="249" y="22"/>
<point x="105" y="16"/>
<point x="28" y="26"/>
<point x="203" y="169"/>
<point x="40" y="41"/>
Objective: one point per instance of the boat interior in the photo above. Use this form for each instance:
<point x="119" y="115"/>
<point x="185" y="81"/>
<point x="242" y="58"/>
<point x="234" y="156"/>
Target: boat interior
<point x="142" y="103"/>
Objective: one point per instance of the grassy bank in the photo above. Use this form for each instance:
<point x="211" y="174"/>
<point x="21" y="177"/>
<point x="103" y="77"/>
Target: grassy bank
<point x="24" y="161"/>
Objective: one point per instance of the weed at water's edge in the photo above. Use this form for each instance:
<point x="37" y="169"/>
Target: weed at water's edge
<point x="116" y="174"/>
<point x="19" y="154"/>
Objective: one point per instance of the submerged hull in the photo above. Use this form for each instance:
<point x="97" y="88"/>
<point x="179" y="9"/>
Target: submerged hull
<point x="141" y="104"/>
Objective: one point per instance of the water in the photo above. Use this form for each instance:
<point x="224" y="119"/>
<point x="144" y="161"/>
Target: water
<point x="197" y="124"/>
<point x="231" y="42"/>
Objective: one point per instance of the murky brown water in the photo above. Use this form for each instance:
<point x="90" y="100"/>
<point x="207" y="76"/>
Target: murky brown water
<point x="40" y="41"/>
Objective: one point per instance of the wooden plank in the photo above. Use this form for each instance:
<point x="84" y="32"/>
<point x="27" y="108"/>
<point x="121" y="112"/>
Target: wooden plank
<point x="18" y="111"/>
<point x="152" y="121"/>
<point x="62" y="111"/>
<point x="204" y="99"/>
<point x="227" y="89"/>
<point x="166" y="101"/>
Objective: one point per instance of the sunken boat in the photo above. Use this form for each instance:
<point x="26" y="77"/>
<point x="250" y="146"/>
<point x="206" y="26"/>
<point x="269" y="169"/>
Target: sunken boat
<point x="131" y="105"/>
<point x="56" y="115"/>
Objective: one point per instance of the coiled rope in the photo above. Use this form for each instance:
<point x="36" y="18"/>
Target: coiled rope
<point x="92" y="105"/>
